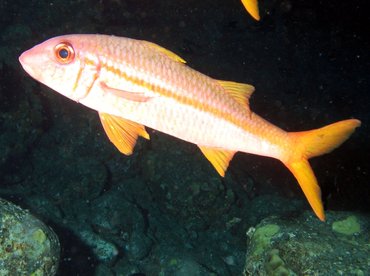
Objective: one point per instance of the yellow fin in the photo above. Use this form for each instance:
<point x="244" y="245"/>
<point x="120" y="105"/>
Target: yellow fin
<point x="252" y="7"/>
<point x="307" y="144"/>
<point x="241" y="92"/>
<point x="121" y="132"/>
<point x="302" y="171"/>
<point x="219" y="158"/>
<point x="163" y="50"/>
<point x="323" y="140"/>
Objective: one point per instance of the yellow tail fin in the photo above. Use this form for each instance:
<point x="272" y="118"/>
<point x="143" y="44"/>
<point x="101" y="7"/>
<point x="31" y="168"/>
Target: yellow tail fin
<point x="252" y="7"/>
<point x="307" y="144"/>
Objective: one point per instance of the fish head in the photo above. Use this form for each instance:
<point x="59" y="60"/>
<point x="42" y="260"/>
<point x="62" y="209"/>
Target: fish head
<point x="63" y="64"/>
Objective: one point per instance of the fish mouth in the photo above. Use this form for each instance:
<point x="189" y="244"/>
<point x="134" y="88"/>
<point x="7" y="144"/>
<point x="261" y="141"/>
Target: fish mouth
<point x="25" y="59"/>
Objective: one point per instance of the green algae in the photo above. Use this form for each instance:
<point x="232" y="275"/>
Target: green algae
<point x="263" y="235"/>
<point x="348" y="226"/>
<point x="275" y="265"/>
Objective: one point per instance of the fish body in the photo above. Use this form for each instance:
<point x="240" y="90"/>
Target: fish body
<point x="181" y="101"/>
<point x="134" y="83"/>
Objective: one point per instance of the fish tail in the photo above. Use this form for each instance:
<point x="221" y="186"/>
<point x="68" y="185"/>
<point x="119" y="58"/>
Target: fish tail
<point x="252" y="7"/>
<point x="307" y="144"/>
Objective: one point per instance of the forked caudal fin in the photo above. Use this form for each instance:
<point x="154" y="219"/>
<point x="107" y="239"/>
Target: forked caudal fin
<point x="307" y="144"/>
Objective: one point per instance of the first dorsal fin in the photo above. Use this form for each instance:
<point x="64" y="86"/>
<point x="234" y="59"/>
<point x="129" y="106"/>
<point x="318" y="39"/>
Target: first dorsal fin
<point x="122" y="132"/>
<point x="241" y="92"/>
<point x="168" y="53"/>
<point x="219" y="158"/>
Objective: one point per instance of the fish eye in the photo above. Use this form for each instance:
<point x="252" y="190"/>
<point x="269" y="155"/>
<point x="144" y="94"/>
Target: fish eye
<point x="64" y="52"/>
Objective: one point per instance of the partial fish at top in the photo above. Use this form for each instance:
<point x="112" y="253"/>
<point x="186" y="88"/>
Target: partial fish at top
<point x="252" y="7"/>
<point x="134" y="83"/>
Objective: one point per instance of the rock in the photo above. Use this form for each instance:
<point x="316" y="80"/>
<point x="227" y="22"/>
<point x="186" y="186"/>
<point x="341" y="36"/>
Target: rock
<point x="103" y="270"/>
<point x="104" y="250"/>
<point x="138" y="246"/>
<point x="185" y="184"/>
<point x="27" y="245"/>
<point x="306" y="246"/>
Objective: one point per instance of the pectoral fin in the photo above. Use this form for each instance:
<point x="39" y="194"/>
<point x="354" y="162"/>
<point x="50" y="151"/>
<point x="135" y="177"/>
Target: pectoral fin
<point x="219" y="158"/>
<point x="121" y="132"/>
<point x="131" y="96"/>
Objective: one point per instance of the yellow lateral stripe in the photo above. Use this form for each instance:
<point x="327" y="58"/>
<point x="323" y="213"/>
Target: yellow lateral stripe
<point x="168" y="93"/>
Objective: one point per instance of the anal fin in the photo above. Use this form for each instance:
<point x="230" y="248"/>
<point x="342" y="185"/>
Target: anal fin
<point x="219" y="158"/>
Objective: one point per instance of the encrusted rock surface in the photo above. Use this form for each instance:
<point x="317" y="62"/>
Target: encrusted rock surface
<point x="307" y="246"/>
<point x="27" y="245"/>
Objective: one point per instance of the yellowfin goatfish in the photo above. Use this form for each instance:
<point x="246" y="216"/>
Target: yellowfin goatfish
<point x="134" y="83"/>
<point x="252" y="7"/>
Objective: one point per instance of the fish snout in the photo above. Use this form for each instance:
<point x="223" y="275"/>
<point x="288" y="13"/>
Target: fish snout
<point x="26" y="60"/>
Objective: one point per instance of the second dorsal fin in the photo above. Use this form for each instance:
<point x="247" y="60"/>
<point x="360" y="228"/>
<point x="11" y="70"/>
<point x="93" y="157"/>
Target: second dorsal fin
<point x="241" y="92"/>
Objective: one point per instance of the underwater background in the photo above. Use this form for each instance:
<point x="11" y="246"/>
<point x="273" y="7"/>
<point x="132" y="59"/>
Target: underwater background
<point x="164" y="210"/>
